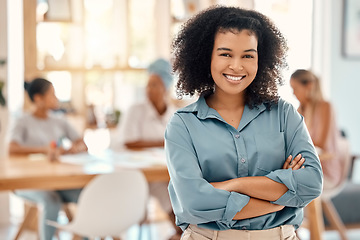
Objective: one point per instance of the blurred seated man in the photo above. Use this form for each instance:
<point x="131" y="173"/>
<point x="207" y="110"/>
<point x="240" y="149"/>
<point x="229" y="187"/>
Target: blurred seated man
<point x="33" y="133"/>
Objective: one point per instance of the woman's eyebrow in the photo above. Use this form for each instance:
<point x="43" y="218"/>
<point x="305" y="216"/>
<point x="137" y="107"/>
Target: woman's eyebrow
<point x="250" y="50"/>
<point x="223" y="49"/>
<point x="228" y="49"/>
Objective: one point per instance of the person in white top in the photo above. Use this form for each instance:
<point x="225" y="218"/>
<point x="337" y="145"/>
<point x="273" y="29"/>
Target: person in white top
<point x="144" y="124"/>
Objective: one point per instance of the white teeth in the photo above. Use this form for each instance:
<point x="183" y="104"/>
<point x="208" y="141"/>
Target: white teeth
<point x="234" y="78"/>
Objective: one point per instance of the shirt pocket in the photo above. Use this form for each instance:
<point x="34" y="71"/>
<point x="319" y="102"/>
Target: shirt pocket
<point x="270" y="147"/>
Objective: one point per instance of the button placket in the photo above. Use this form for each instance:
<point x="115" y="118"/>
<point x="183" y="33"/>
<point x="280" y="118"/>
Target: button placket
<point x="242" y="159"/>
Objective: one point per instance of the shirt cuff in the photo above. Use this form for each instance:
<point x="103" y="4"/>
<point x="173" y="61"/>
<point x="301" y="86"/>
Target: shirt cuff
<point x="286" y="177"/>
<point x="235" y="203"/>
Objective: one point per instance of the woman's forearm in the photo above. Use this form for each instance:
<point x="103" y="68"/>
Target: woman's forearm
<point x="15" y="148"/>
<point x="144" y="144"/>
<point x="257" y="187"/>
<point x="256" y="208"/>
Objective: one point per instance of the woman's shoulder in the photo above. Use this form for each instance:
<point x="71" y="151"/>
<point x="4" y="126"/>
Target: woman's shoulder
<point x="325" y="105"/>
<point x="283" y="105"/>
<point x="24" y="117"/>
<point x="324" y="109"/>
<point x="194" y="106"/>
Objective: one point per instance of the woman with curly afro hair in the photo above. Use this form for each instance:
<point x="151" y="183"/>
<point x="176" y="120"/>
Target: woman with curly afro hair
<point x="236" y="157"/>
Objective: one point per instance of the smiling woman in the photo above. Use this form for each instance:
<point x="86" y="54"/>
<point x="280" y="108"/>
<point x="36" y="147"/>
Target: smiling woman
<point x="241" y="152"/>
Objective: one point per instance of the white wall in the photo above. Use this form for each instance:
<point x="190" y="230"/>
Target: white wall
<point x="344" y="76"/>
<point x="4" y="196"/>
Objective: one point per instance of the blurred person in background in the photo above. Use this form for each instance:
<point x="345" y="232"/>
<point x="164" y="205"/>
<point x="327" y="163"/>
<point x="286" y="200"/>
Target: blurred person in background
<point x="144" y="125"/>
<point x="320" y="120"/>
<point x="33" y="133"/>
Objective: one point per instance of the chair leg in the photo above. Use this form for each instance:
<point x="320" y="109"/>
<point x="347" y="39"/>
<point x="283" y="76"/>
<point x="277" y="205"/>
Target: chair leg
<point x="315" y="219"/>
<point x="69" y="216"/>
<point x="68" y="212"/>
<point x="334" y="218"/>
<point x="77" y="237"/>
<point x="31" y="213"/>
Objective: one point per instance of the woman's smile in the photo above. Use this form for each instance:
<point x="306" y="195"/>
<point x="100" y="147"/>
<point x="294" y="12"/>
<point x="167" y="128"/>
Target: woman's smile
<point x="233" y="78"/>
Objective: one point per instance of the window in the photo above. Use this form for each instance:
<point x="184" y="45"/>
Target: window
<point x="97" y="55"/>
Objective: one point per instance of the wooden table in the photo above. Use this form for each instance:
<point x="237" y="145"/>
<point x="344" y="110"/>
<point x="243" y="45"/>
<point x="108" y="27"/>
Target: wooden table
<point x="18" y="172"/>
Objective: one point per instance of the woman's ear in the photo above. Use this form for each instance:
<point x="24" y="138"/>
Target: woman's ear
<point x="37" y="98"/>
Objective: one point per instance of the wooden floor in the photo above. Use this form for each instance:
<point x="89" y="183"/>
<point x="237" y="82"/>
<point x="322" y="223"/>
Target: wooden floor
<point x="159" y="227"/>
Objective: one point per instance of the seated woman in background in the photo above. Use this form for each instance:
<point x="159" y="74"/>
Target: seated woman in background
<point x="144" y="125"/>
<point x="33" y="133"/>
<point x="320" y="120"/>
<point x="145" y="122"/>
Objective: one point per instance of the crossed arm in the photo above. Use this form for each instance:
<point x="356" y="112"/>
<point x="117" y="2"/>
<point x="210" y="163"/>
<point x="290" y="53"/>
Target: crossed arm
<point x="261" y="190"/>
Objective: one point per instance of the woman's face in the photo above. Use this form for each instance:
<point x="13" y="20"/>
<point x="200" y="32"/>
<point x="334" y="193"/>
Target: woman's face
<point x="234" y="61"/>
<point x="300" y="90"/>
<point x="48" y="100"/>
<point x="155" y="89"/>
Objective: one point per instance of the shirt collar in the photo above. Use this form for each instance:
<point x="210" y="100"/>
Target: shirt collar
<point x="203" y="111"/>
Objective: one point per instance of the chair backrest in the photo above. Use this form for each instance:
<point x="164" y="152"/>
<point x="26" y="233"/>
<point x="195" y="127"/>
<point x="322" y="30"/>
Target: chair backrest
<point x="111" y="203"/>
<point x="344" y="147"/>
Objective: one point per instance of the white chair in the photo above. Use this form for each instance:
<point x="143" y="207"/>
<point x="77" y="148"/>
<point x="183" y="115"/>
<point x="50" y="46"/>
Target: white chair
<point x="109" y="204"/>
<point x="327" y="205"/>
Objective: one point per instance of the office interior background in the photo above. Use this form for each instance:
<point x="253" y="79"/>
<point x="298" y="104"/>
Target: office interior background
<point x="96" y="52"/>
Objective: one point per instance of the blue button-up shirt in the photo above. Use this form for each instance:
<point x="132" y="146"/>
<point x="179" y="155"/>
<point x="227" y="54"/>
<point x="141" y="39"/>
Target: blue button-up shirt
<point x="202" y="148"/>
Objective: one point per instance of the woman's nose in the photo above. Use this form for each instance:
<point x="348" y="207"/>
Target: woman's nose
<point x="236" y="65"/>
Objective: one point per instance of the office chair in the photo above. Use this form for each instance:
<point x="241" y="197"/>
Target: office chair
<point x="109" y="204"/>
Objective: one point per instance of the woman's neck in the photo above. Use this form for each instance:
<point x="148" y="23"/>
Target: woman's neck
<point x="223" y="101"/>
<point x="160" y="107"/>
<point x="41" y="113"/>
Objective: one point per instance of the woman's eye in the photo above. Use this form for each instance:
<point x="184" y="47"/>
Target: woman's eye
<point x="225" y="55"/>
<point x="248" y="56"/>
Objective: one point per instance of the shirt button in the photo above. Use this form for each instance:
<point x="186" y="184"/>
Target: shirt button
<point x="243" y="160"/>
<point x="243" y="228"/>
<point x="237" y="136"/>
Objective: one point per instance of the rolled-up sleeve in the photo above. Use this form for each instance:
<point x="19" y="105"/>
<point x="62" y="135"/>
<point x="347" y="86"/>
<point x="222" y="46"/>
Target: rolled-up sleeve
<point x="195" y="200"/>
<point x="304" y="184"/>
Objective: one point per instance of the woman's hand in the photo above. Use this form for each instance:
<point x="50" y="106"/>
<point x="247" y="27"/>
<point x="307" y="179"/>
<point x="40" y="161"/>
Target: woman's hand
<point x="295" y="164"/>
<point x="77" y="147"/>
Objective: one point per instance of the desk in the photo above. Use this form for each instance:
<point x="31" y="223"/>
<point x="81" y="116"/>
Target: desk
<point x="18" y="172"/>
